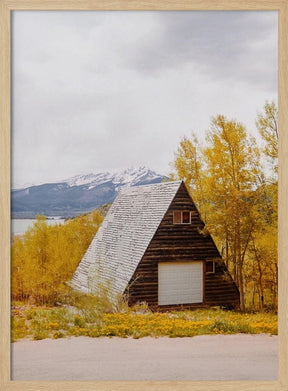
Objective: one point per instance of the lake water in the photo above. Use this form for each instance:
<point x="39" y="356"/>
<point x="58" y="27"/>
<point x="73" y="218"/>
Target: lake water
<point x="20" y="226"/>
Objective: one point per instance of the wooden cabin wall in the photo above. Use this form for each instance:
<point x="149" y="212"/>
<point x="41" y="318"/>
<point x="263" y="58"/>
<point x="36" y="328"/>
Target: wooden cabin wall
<point x="180" y="242"/>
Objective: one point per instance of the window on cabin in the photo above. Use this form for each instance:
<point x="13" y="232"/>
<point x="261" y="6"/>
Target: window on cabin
<point x="181" y="217"/>
<point x="177" y="218"/>
<point x="186" y="217"/>
<point x="210" y="267"/>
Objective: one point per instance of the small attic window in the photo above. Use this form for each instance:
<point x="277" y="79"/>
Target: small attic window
<point x="181" y="217"/>
<point x="210" y="267"/>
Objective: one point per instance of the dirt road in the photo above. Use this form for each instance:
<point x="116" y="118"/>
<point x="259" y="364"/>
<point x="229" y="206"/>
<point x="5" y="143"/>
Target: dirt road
<point x="219" y="357"/>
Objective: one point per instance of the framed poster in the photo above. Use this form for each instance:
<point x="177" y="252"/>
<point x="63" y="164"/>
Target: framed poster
<point x="153" y="75"/>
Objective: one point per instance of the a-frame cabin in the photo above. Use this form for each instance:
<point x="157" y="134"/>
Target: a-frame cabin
<point x="151" y="248"/>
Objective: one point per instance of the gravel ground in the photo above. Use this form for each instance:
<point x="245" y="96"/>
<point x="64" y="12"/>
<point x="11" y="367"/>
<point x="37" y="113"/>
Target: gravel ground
<point x="217" y="357"/>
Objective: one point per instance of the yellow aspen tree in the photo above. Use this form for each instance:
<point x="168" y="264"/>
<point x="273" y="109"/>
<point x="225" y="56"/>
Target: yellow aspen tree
<point x="188" y="163"/>
<point x="267" y="125"/>
<point x="232" y="168"/>
<point x="263" y="252"/>
<point x="263" y="249"/>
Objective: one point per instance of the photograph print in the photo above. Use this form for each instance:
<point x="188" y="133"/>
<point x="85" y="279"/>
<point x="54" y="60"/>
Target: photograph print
<point x="144" y="195"/>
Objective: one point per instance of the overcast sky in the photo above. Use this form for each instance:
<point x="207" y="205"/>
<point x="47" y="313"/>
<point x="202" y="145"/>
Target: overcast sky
<point x="104" y="91"/>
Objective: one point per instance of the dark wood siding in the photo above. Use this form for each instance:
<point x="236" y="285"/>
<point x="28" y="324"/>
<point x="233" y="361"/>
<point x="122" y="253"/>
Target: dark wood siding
<point x="184" y="243"/>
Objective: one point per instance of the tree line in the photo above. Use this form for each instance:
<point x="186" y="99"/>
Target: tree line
<point x="233" y="182"/>
<point x="46" y="257"/>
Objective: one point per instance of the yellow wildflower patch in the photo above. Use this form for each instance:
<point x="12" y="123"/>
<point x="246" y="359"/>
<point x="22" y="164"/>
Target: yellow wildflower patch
<point x="58" y="323"/>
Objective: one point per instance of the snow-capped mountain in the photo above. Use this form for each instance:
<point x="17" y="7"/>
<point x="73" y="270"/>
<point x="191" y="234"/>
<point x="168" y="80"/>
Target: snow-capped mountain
<point x="129" y="177"/>
<point x="79" y="194"/>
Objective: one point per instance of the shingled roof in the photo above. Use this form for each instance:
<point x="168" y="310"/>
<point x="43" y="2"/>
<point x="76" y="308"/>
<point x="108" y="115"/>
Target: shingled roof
<point x="123" y="237"/>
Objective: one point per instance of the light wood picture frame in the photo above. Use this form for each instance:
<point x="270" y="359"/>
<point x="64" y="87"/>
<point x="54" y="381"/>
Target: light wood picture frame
<point x="7" y="6"/>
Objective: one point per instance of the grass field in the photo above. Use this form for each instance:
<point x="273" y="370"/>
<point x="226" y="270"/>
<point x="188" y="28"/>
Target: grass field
<point x="58" y="322"/>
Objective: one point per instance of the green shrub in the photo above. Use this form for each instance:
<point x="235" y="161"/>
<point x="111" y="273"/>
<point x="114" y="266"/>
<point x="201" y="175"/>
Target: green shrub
<point x="58" y="334"/>
<point x="79" y="321"/>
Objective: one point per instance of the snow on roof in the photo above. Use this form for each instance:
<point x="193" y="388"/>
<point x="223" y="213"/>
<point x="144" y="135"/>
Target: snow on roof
<point x="123" y="237"/>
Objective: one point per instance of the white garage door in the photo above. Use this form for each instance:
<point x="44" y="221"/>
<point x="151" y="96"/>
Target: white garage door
<point x="180" y="283"/>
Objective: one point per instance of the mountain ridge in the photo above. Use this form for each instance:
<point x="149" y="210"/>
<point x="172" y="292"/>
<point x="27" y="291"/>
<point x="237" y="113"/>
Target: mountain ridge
<point x="78" y="194"/>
